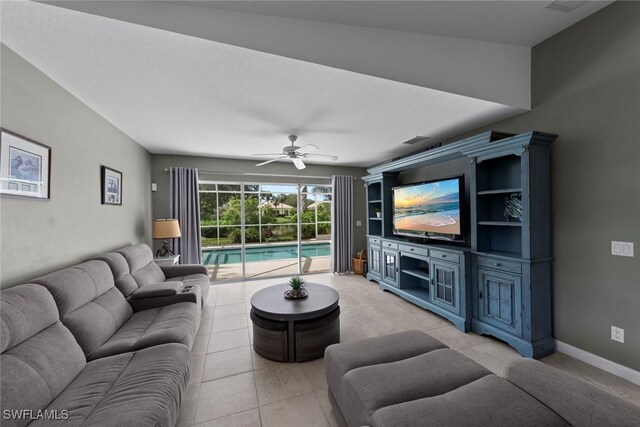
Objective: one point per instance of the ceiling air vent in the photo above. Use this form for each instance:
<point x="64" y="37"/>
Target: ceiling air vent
<point x="565" y="5"/>
<point x="416" y="140"/>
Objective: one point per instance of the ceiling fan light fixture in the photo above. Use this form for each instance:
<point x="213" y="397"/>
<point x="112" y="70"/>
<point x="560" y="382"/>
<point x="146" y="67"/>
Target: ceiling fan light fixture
<point x="299" y="164"/>
<point x="295" y="154"/>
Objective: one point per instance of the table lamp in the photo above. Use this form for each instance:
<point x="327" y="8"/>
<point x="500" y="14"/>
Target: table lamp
<point x="164" y="229"/>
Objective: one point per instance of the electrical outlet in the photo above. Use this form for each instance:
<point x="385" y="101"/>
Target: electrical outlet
<point x="622" y="248"/>
<point x="617" y="334"/>
<point x="358" y="223"/>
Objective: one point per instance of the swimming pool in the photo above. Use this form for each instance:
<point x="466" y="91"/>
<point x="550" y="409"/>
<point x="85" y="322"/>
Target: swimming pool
<point x="263" y="253"/>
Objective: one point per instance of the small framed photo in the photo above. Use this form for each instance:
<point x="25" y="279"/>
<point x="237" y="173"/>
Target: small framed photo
<point x="25" y="167"/>
<point x="111" y="186"/>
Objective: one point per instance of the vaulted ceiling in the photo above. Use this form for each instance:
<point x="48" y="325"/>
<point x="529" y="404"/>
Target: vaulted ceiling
<point x="227" y="79"/>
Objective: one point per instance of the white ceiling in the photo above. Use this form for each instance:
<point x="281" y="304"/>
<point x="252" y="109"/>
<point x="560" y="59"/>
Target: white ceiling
<point x="179" y="94"/>
<point x="522" y="22"/>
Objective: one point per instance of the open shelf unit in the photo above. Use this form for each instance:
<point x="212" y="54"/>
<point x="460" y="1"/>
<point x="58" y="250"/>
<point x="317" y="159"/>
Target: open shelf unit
<point x="415" y="272"/>
<point x="499" y="191"/>
<point x="418" y="293"/>
<point x="379" y="210"/>
<point x="374" y="205"/>
<point x="501" y="285"/>
<point x="501" y="223"/>
<point x="497" y="180"/>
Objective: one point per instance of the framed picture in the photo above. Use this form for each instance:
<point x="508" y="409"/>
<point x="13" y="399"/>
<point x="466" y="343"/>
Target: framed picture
<point x="25" y="167"/>
<point x="111" y="186"/>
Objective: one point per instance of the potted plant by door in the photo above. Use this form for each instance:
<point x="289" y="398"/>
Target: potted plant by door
<point x="378" y="213"/>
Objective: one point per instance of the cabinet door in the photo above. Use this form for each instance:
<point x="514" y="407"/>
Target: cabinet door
<point x="390" y="267"/>
<point x="375" y="256"/>
<point x="445" y="285"/>
<point x="500" y="300"/>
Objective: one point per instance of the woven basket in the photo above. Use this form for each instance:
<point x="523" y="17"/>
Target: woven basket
<point x="360" y="262"/>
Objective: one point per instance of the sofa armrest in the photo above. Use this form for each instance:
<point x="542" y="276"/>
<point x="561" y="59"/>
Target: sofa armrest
<point x="183" y="270"/>
<point x="160" y="289"/>
<point x="575" y="400"/>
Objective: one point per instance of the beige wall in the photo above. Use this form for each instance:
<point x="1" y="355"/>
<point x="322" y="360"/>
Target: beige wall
<point x="40" y="236"/>
<point x="586" y="88"/>
<point x="231" y="170"/>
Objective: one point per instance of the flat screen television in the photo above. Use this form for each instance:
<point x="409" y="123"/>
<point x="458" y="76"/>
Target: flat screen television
<point x="430" y="209"/>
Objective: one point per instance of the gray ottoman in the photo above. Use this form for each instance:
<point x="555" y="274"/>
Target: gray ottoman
<point x="342" y="359"/>
<point x="411" y="379"/>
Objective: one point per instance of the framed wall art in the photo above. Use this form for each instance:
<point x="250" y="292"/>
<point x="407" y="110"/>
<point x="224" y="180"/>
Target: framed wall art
<point x="111" y="186"/>
<point x="25" y="167"/>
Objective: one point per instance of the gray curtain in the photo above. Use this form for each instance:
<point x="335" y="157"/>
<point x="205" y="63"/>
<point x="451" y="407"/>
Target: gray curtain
<point x="185" y="207"/>
<point x="342" y="230"/>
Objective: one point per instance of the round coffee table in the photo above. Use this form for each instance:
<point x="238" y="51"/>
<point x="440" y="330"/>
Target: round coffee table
<point x="295" y="330"/>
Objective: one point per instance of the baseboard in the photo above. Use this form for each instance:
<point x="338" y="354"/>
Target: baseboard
<point x="599" y="362"/>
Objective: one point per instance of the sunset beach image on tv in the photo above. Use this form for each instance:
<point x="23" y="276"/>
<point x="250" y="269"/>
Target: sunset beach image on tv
<point x="432" y="207"/>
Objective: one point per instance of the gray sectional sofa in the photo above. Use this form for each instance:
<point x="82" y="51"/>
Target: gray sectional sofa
<point x="146" y="285"/>
<point x="73" y="347"/>
<point x="410" y="379"/>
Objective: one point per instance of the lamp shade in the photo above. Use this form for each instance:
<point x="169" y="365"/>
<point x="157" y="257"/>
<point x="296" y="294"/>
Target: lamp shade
<point x="166" y="229"/>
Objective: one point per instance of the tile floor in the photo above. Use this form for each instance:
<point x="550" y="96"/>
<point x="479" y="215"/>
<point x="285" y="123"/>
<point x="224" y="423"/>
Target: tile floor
<point x="231" y="385"/>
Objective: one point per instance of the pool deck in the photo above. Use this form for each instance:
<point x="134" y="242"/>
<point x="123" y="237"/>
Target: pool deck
<point x="280" y="267"/>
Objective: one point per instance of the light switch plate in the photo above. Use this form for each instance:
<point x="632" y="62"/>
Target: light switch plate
<point x="358" y="223"/>
<point x="622" y="248"/>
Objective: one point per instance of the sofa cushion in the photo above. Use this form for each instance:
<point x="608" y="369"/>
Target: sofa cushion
<point x="123" y="279"/>
<point x="342" y="358"/>
<point x="173" y="271"/>
<point x="370" y="388"/>
<point x="162" y="289"/>
<point x="141" y="265"/>
<point x="39" y="357"/>
<point x="175" y="323"/>
<point x="488" y="401"/>
<point x="89" y="304"/>
<point x="133" y="268"/>
<point x="144" y="388"/>
<point x="192" y="295"/>
<point x="26" y="310"/>
<point x="574" y="399"/>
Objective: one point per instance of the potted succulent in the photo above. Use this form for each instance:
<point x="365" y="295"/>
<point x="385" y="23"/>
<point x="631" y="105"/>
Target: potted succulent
<point x="297" y="288"/>
<point x="378" y="213"/>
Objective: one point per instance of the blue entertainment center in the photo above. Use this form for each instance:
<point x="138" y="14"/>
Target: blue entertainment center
<point x="498" y="280"/>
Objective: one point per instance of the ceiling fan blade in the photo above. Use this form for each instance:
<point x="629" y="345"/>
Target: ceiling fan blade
<point x="307" y="147"/>
<point x="267" y="154"/>
<point x="272" y="160"/>
<point x="326" y="156"/>
<point x="298" y="163"/>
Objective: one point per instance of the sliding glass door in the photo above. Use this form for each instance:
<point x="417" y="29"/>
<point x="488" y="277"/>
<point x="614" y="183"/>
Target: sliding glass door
<point x="221" y="226"/>
<point x="263" y="230"/>
<point x="274" y="249"/>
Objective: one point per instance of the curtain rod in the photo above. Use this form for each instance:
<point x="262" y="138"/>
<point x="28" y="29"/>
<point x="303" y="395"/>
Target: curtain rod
<point x="261" y="174"/>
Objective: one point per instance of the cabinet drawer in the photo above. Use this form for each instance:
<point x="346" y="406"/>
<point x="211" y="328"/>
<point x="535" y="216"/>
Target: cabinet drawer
<point x="414" y="250"/>
<point x="374" y="241"/>
<point x="499" y="264"/>
<point x="446" y="256"/>
<point x="390" y="245"/>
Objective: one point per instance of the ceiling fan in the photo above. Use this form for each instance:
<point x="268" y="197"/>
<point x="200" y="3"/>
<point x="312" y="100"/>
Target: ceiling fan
<point x="295" y="153"/>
